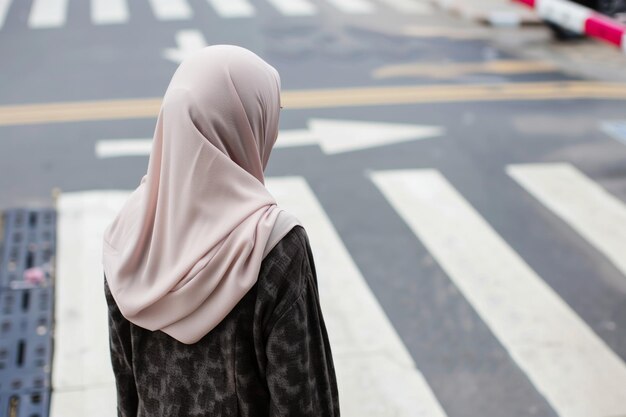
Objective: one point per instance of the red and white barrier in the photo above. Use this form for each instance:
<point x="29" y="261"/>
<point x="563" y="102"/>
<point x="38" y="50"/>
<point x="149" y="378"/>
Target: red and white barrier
<point x="580" y="19"/>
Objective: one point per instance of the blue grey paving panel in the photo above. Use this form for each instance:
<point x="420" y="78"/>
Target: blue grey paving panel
<point x="25" y="404"/>
<point x="29" y="240"/>
<point x="25" y="338"/>
<point x="26" y="312"/>
<point x="615" y="129"/>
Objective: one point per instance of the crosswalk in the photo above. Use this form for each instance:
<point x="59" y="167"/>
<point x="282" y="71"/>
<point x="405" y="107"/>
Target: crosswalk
<point x="542" y="334"/>
<point x="563" y="358"/>
<point x="49" y="14"/>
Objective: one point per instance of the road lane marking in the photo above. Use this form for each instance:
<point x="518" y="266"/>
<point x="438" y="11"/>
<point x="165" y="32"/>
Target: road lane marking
<point x="123" y="147"/>
<point x="171" y="9"/>
<point x="47" y="14"/>
<point x="82" y="366"/>
<point x="332" y="135"/>
<point x="5" y="5"/>
<point x="326" y="98"/>
<point x="422" y="31"/>
<point x="79" y="111"/>
<point x="596" y="215"/>
<point x="455" y="69"/>
<point x="376" y="374"/>
<point x="232" y="8"/>
<point x="556" y="349"/>
<point x="187" y="43"/>
<point x="106" y="12"/>
<point x="409" y="6"/>
<point x="353" y="6"/>
<point x="93" y="402"/>
<point x="294" y="7"/>
<point x="348" y="97"/>
<point x="337" y="136"/>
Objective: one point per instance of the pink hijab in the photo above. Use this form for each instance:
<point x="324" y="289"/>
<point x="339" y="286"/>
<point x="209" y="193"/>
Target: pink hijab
<point x="188" y="243"/>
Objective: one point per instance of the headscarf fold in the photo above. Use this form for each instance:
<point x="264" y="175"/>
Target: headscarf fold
<point x="188" y="243"/>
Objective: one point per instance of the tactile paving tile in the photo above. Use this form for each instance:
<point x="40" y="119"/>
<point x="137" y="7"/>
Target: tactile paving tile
<point x="26" y="311"/>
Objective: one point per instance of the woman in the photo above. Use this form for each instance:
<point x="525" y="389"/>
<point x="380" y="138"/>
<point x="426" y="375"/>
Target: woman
<point x="211" y="287"/>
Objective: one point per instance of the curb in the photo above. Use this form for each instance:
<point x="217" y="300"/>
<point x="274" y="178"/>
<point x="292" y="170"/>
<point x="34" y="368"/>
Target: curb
<point x="504" y="15"/>
<point x="580" y="19"/>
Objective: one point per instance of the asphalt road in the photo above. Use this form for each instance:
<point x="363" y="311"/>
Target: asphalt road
<point x="470" y="365"/>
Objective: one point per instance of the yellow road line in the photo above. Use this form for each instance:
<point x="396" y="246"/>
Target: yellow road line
<point x="325" y="98"/>
<point x="79" y="111"/>
<point x="452" y="69"/>
<point x="452" y="93"/>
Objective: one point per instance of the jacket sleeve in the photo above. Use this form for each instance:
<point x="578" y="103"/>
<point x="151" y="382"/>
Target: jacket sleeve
<point x="300" y="370"/>
<point x="121" y="357"/>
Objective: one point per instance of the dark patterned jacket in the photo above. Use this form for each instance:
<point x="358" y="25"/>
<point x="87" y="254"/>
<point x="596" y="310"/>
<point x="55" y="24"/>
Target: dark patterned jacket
<point x="269" y="357"/>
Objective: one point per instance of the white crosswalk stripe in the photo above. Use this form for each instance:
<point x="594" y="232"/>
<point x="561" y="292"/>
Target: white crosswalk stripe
<point x="588" y="208"/>
<point x="233" y="8"/>
<point x="48" y="14"/>
<point x="4" y="9"/>
<point x="82" y="376"/>
<point x="171" y="9"/>
<point x="105" y="12"/>
<point x="556" y="349"/>
<point x="294" y="7"/>
<point x="353" y="6"/>
<point x="375" y="373"/>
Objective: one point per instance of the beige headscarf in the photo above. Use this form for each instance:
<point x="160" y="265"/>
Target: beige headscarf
<point x="188" y="243"/>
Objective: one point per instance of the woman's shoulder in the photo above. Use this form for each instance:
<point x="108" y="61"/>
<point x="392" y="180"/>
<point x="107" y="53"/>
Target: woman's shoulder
<point x="285" y="272"/>
<point x="290" y="257"/>
<point x="292" y="245"/>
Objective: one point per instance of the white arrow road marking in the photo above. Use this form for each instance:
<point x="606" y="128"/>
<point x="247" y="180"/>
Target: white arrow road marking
<point x="588" y="208"/>
<point x="4" y="9"/>
<point x="334" y="136"/>
<point x="171" y="9"/>
<point x="556" y="349"/>
<point x="104" y="12"/>
<point x="47" y="14"/>
<point x="188" y="42"/>
<point x="376" y="375"/>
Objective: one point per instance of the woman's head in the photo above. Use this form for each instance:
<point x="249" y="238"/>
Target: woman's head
<point x="233" y="99"/>
<point x="188" y="243"/>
